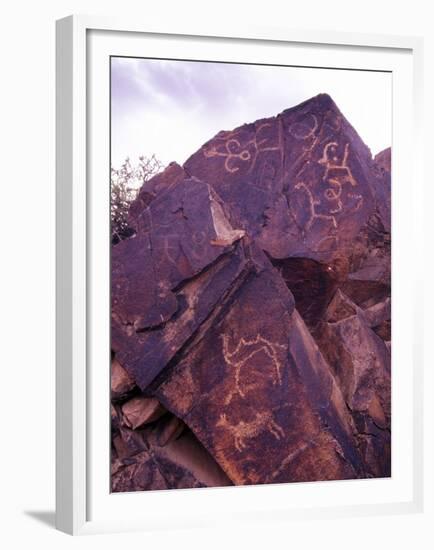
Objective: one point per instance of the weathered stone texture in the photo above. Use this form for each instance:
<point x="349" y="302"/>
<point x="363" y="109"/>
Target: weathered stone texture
<point x="251" y="308"/>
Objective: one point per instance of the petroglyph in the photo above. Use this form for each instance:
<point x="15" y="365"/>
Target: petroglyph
<point x="232" y="149"/>
<point x="301" y="130"/>
<point x="336" y="175"/>
<point x="170" y="249"/>
<point x="243" y="431"/>
<point x="240" y="356"/>
<point x="304" y="446"/>
<point x="341" y="171"/>
<point x="313" y="203"/>
<point x="260" y="144"/>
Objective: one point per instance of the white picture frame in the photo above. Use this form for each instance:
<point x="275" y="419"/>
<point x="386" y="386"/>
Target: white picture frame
<point x="82" y="498"/>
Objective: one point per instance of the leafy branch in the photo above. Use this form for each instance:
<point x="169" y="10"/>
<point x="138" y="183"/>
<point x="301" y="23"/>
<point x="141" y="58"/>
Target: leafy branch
<point x="125" y="185"/>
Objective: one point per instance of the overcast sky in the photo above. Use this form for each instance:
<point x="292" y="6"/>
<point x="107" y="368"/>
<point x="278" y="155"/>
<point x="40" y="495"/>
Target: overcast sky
<point x="170" y="108"/>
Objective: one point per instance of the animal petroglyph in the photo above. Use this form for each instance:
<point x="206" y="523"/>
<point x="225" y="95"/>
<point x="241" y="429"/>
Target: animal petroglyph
<point x="242" y="353"/>
<point x="313" y="203"/>
<point x="233" y="150"/>
<point x="243" y="431"/>
<point x="336" y="175"/>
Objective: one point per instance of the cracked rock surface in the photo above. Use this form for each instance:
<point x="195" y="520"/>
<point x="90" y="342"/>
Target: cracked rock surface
<point x="251" y="311"/>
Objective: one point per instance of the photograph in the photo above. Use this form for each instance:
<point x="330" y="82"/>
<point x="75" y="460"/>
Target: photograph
<point x="250" y="274"/>
<point x="212" y="192"/>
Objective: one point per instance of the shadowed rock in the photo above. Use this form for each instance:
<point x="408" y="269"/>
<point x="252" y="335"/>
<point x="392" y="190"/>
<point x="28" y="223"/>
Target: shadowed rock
<point x="181" y="463"/>
<point x="141" y="410"/>
<point x="121" y="383"/>
<point x="361" y="363"/>
<point x="312" y="284"/>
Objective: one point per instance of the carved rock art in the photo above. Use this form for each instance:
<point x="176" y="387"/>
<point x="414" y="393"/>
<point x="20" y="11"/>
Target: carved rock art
<point x="309" y="150"/>
<point x="255" y="405"/>
<point x="241" y="355"/>
<point x="247" y="430"/>
<point x="251" y="325"/>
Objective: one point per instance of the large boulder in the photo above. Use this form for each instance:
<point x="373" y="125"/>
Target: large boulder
<point x="258" y="394"/>
<point x="302" y="183"/>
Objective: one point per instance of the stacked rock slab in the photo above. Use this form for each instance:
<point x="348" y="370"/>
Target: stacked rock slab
<point x="204" y="318"/>
<point x="360" y="360"/>
<point x="258" y="394"/>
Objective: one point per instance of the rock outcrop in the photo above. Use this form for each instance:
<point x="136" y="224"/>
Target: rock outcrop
<point x="251" y="311"/>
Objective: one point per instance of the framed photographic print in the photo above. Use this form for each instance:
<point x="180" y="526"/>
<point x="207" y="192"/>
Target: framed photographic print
<point x="237" y="213"/>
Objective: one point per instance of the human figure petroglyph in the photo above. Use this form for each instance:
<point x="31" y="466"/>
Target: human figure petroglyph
<point x="234" y="150"/>
<point x="242" y="353"/>
<point x="341" y="171"/>
<point x="243" y="431"/>
<point x="169" y="246"/>
<point x="337" y="174"/>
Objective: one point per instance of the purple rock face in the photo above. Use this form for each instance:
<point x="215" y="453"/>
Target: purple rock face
<point x="251" y="311"/>
<point x="302" y="183"/>
<point x="260" y="395"/>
